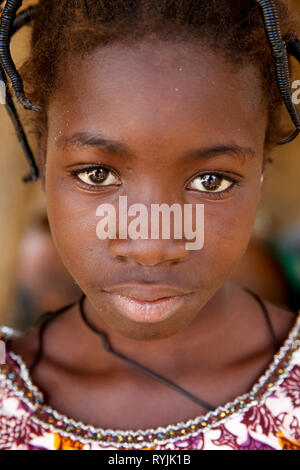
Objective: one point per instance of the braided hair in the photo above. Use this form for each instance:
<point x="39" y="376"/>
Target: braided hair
<point x="262" y="32"/>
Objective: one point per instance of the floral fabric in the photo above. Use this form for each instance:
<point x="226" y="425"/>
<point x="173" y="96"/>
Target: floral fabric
<point x="269" y="420"/>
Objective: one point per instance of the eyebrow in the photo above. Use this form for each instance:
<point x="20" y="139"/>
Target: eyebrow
<point x="86" y="139"/>
<point x="235" y="150"/>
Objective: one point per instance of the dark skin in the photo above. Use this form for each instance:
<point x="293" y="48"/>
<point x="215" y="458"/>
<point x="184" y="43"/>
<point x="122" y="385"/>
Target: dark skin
<point x="161" y="101"/>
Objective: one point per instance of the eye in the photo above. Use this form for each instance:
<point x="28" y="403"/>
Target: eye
<point x="97" y="176"/>
<point x="212" y="183"/>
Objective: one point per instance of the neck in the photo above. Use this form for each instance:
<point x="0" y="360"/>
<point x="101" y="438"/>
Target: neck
<point x="207" y="330"/>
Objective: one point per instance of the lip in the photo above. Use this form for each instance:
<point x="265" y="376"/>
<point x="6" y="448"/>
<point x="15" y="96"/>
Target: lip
<point x="146" y="292"/>
<point x="147" y="303"/>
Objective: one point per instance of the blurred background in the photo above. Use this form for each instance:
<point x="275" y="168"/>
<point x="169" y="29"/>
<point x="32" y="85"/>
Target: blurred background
<point x="34" y="280"/>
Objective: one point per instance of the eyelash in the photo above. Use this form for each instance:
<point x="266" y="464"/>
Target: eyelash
<point x="216" y="194"/>
<point x="75" y="173"/>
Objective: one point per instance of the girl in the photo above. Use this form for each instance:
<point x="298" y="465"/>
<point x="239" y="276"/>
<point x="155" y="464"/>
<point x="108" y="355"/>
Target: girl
<point x="162" y="102"/>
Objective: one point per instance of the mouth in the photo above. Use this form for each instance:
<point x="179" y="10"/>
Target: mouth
<point x="147" y="303"/>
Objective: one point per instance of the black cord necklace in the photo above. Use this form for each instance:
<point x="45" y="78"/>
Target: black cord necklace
<point x="107" y="347"/>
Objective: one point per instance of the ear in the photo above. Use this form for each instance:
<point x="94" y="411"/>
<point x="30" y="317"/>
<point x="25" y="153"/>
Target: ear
<point x="42" y="157"/>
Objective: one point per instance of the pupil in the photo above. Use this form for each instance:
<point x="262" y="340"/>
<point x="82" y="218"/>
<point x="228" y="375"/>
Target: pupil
<point x="211" y="181"/>
<point x="98" y="175"/>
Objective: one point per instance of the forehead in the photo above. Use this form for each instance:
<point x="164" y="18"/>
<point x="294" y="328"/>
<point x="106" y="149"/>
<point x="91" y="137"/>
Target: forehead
<point x="157" y="87"/>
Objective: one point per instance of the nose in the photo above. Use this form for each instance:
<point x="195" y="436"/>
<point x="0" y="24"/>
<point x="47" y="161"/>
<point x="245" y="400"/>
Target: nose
<point x="149" y="252"/>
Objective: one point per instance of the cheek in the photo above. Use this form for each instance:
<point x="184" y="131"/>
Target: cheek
<point x="227" y="232"/>
<point x="72" y="218"/>
<point x="77" y="243"/>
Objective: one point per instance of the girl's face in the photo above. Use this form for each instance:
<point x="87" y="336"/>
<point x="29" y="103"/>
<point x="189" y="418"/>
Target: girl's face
<point x="153" y="118"/>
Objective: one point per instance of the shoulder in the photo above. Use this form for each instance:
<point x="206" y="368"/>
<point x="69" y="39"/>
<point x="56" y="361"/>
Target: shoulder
<point x="9" y="373"/>
<point x="8" y="332"/>
<point x="22" y="343"/>
<point x="26" y="344"/>
<point x="283" y="320"/>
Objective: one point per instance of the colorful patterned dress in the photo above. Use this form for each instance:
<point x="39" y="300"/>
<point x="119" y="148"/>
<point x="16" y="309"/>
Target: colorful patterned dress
<point x="265" y="418"/>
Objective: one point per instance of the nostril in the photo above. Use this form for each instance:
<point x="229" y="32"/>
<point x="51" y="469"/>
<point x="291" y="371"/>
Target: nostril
<point x="148" y="253"/>
<point x="121" y="257"/>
